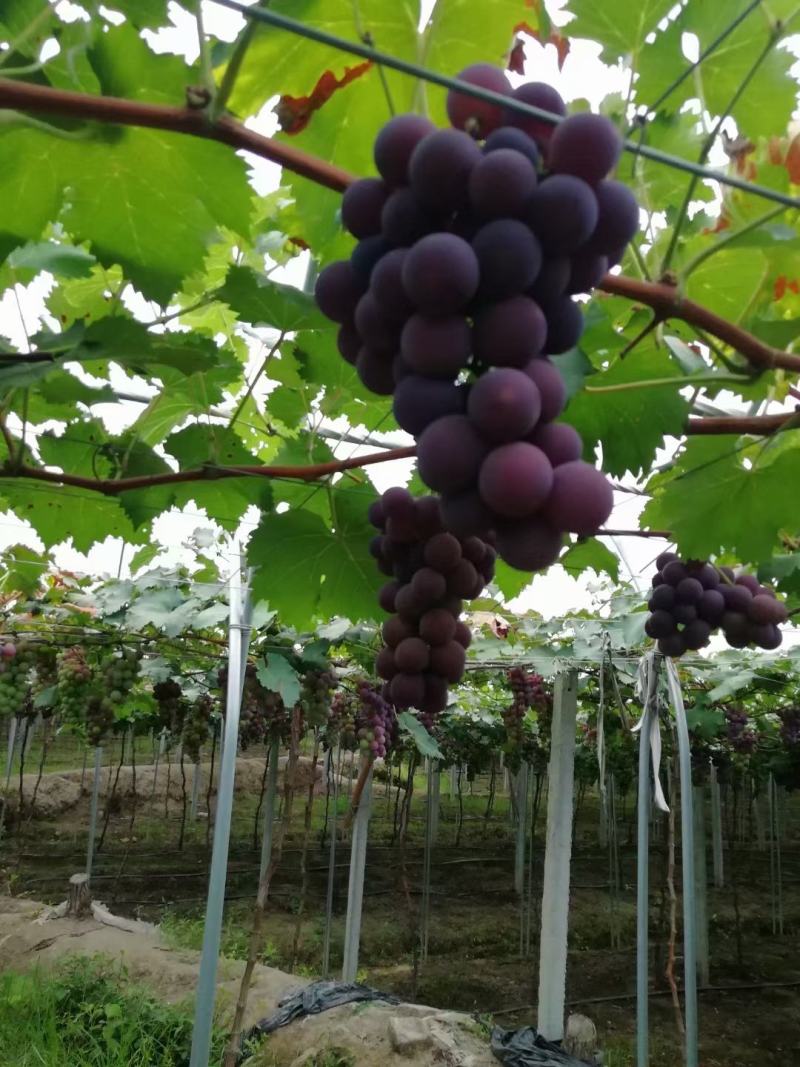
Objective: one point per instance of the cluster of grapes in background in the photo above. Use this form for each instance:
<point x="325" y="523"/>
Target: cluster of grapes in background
<point x="362" y="719"/>
<point x="196" y="728"/>
<point x="527" y="692"/>
<point x="433" y="572"/>
<point x="16" y="659"/>
<point x="316" y="689"/>
<point x="692" y="599"/>
<point x="263" y="713"/>
<point x="741" y="736"/>
<point x="118" y="673"/>
<point x="74" y="681"/>
<point x="471" y="245"/>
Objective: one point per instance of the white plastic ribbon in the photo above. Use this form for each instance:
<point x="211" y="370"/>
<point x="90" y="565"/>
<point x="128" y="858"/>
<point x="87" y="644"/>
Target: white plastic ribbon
<point x="644" y="683"/>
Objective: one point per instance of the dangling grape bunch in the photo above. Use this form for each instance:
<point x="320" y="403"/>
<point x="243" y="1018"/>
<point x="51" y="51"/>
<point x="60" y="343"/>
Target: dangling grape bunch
<point x="376" y="723"/>
<point x="74" y="682"/>
<point x="432" y="571"/>
<point x="171" y="706"/>
<point x="471" y="245"/>
<point x="118" y="671"/>
<point x="692" y="599"/>
<point x="16" y="660"/>
<point x="527" y="692"/>
<point x="790" y="726"/>
<point x="197" y="726"/>
<point x="341" y="729"/>
<point x="262" y="714"/>
<point x="315" y="696"/>
<point x="741" y="736"/>
<point x="45" y="677"/>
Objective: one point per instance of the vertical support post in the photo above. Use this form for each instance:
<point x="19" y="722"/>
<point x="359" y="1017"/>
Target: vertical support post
<point x="98" y="768"/>
<point x="326" y="938"/>
<point x="195" y="789"/>
<point x="716" y="830"/>
<point x="12" y="740"/>
<point x="436" y="803"/>
<point x="701" y="885"/>
<point x="555" y="892"/>
<point x="433" y="773"/>
<point x="643" y="869"/>
<point x="238" y="640"/>
<point x="687" y="856"/>
<point x="269" y="807"/>
<point x="521" y="784"/>
<point x="355" y="889"/>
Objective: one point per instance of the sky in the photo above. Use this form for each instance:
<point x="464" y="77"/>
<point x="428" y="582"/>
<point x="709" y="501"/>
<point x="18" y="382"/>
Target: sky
<point x="583" y="76"/>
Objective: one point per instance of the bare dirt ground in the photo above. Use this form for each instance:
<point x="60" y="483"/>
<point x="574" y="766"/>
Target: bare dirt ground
<point x="377" y="1035"/>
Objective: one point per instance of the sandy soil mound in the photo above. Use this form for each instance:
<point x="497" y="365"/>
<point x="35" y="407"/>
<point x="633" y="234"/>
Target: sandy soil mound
<point x="154" y="787"/>
<point x="377" y="1035"/>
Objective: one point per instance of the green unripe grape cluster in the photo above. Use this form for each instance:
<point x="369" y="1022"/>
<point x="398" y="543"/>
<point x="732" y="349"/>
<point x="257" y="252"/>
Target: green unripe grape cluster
<point x="16" y="659"/>
<point x="74" y="682"/>
<point x="315" y="696"/>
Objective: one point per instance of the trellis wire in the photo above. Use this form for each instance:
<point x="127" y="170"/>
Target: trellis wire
<point x="312" y="33"/>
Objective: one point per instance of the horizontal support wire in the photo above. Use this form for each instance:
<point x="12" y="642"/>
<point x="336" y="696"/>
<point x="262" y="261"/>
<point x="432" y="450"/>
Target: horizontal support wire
<point x="383" y="59"/>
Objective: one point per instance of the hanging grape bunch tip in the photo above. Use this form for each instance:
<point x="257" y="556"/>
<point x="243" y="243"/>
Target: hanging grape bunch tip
<point x="471" y="246"/>
<point x="691" y="600"/>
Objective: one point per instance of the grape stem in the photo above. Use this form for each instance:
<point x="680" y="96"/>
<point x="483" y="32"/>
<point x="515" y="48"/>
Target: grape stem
<point x="665" y="300"/>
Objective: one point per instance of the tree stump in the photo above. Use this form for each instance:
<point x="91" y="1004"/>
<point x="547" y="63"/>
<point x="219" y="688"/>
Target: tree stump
<point x="80" y="897"/>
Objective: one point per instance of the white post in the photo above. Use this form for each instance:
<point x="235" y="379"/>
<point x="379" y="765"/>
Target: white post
<point x="435" y="800"/>
<point x="355" y="888"/>
<point x="716" y="830"/>
<point x="700" y="886"/>
<point x="555" y="892"/>
<point x="12" y="738"/>
<point x="521" y="783"/>
<point x="238" y="640"/>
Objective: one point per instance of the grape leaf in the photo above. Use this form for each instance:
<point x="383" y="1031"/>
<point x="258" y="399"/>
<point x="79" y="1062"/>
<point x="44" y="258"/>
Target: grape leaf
<point x="64" y="260"/>
<point x="426" y="744"/>
<point x="729" y="282"/>
<point x="146" y="14"/>
<point x="305" y="568"/>
<point x="590" y="554"/>
<point x="618" y="27"/>
<point x="718" y="498"/>
<point x="509" y="581"/>
<point x="630" y="424"/>
<point x="279" y="676"/>
<point x="265" y="303"/>
<point x="59" y="515"/>
<point x="21" y="570"/>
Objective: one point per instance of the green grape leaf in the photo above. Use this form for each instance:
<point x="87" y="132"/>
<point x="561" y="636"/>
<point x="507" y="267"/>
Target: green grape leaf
<point x="719" y="497"/>
<point x="784" y="570"/>
<point x="729" y="282"/>
<point x="620" y="29"/>
<point x="199" y="444"/>
<point x="261" y="302"/>
<point x="278" y="676"/>
<point x="64" y="260"/>
<point x="59" y="515"/>
<point x="146" y="14"/>
<point x="164" y="608"/>
<point x="509" y="581"/>
<point x="590" y="554"/>
<point x="426" y="744"/>
<point x="21" y="570"/>
<point x="30" y="185"/>
<point x="630" y="424"/>
<point x="305" y="569"/>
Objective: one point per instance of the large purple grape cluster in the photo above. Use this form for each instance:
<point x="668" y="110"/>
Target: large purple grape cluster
<point x="432" y="573"/>
<point x="527" y="691"/>
<point x="376" y="722"/>
<point x="691" y="600"/>
<point x="741" y="736"/>
<point x="471" y="245"/>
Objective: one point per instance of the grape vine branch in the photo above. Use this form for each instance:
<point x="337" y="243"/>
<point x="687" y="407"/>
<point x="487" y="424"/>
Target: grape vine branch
<point x="665" y="300"/>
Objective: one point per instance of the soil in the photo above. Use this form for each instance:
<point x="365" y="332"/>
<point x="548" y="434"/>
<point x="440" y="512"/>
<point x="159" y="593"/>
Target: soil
<point x="373" y="1032"/>
<point x="474" y="961"/>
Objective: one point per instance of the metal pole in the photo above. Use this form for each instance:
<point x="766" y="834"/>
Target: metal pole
<point x="98" y="766"/>
<point x="195" y="788"/>
<point x="687" y="852"/>
<point x="521" y="784"/>
<point x="269" y="808"/>
<point x="12" y="740"/>
<point x="433" y="772"/>
<point x="558" y="853"/>
<point x="701" y="886"/>
<point x="239" y="636"/>
<point x="326" y="937"/>
<point x="643" y="870"/>
<point x="716" y="830"/>
<point x="355" y="889"/>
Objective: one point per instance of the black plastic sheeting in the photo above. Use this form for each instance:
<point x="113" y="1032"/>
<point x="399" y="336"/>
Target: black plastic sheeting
<point x="527" y="1048"/>
<point x="315" y="998"/>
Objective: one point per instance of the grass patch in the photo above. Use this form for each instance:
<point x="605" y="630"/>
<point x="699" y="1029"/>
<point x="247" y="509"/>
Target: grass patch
<point x="87" y="1014"/>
